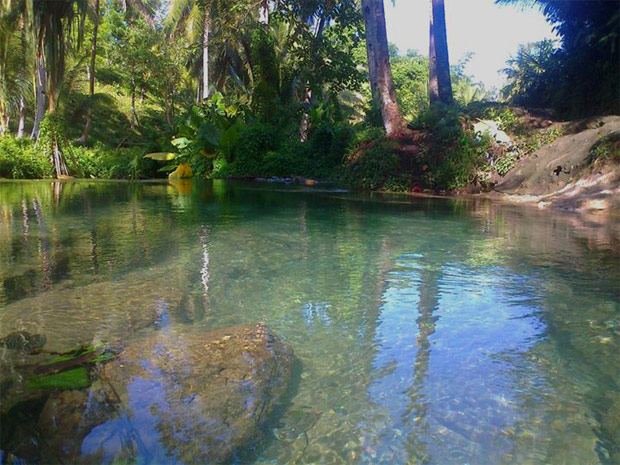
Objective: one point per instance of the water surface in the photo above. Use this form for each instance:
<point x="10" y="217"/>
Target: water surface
<point x="433" y="331"/>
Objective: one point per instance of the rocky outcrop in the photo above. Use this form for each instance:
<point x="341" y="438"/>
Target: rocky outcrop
<point x="177" y="396"/>
<point x="561" y="173"/>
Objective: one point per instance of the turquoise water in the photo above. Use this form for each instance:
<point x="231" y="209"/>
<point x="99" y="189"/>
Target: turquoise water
<point x="429" y="331"/>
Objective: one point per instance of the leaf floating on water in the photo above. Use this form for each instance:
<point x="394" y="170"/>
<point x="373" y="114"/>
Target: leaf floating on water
<point x="75" y="378"/>
<point x="83" y="355"/>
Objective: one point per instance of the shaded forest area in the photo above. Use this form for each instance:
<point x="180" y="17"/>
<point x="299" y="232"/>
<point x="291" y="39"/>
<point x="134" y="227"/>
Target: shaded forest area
<point x="295" y="88"/>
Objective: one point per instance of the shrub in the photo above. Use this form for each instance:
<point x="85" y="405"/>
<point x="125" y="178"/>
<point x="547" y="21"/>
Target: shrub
<point x="107" y="163"/>
<point x="19" y="159"/>
<point x="255" y="140"/>
<point x="371" y="167"/>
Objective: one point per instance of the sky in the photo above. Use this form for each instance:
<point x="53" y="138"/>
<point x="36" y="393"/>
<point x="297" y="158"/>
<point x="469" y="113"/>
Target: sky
<point x="492" y="32"/>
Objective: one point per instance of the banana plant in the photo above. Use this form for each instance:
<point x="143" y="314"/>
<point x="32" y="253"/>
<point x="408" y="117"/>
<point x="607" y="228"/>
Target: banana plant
<point x="205" y="131"/>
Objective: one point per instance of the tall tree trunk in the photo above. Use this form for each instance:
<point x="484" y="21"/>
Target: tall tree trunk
<point x="91" y="74"/>
<point x="440" y="85"/>
<point x="40" y="95"/>
<point x="380" y="72"/>
<point x="22" y="117"/>
<point x="263" y="12"/>
<point x="205" y="55"/>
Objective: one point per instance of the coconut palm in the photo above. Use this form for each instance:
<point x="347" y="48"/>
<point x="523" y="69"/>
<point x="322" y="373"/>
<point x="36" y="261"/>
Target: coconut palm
<point x="217" y="24"/>
<point x="58" y="27"/>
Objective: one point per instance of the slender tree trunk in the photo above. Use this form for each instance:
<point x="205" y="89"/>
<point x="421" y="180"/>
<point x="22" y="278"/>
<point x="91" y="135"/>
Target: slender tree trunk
<point x="380" y="72"/>
<point x="91" y="74"/>
<point x="134" y="114"/>
<point x="205" y="56"/>
<point x="263" y="12"/>
<point x="305" y="117"/>
<point x="22" y="117"/>
<point x="440" y="85"/>
<point x="40" y="96"/>
<point x="4" y="122"/>
<point x="58" y="160"/>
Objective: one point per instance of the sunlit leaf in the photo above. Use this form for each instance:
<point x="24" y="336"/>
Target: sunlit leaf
<point x="180" y="142"/>
<point x="161" y="156"/>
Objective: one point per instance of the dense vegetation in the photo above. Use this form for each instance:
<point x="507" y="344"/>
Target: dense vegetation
<point x="253" y="88"/>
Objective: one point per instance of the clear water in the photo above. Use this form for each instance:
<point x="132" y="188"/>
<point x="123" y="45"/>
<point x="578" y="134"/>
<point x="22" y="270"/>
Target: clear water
<point x="430" y="331"/>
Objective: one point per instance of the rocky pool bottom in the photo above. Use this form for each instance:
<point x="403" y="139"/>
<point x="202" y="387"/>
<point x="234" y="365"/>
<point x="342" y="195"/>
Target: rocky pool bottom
<point x="236" y="323"/>
<point x="172" y="396"/>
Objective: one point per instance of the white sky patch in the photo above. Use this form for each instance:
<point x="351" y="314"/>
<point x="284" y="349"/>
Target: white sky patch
<point x="492" y="32"/>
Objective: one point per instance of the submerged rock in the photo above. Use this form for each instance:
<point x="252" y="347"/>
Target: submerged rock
<point x="67" y="417"/>
<point x="23" y="341"/>
<point x="179" y="396"/>
<point x="109" y="310"/>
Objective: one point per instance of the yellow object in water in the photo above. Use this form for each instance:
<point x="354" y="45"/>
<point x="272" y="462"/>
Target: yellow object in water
<point x="182" y="172"/>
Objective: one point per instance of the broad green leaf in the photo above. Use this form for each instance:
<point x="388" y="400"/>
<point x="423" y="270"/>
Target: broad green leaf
<point x="209" y="133"/>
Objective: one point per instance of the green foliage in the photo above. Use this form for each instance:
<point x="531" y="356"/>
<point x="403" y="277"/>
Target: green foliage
<point x="19" y="159"/>
<point x="52" y="132"/>
<point x="261" y="150"/>
<point x="531" y="73"/>
<point x="539" y="139"/>
<point x="606" y="149"/>
<point x="103" y="162"/>
<point x="371" y="167"/>
<point x="449" y="159"/>
<point x="509" y="121"/>
<point x="442" y="121"/>
<point x="410" y="75"/>
<point x="581" y="77"/>
<point x="456" y="167"/>
<point x="254" y="142"/>
<point x="506" y="163"/>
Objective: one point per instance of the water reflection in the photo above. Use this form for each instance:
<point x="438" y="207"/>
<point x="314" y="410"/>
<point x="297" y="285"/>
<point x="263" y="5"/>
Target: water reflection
<point x="430" y="331"/>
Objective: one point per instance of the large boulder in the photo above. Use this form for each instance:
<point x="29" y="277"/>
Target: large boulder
<point x="179" y="396"/>
<point x="556" y="165"/>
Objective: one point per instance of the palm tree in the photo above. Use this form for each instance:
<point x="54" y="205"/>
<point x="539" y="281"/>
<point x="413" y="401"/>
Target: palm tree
<point x="379" y="69"/>
<point x="194" y="17"/>
<point x="217" y="24"/>
<point x="440" y="86"/>
<point x="15" y="62"/>
<point x="55" y="24"/>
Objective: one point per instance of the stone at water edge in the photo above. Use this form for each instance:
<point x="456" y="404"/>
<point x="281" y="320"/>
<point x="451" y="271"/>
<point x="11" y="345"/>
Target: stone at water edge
<point x="181" y="172"/>
<point x="183" y="396"/>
